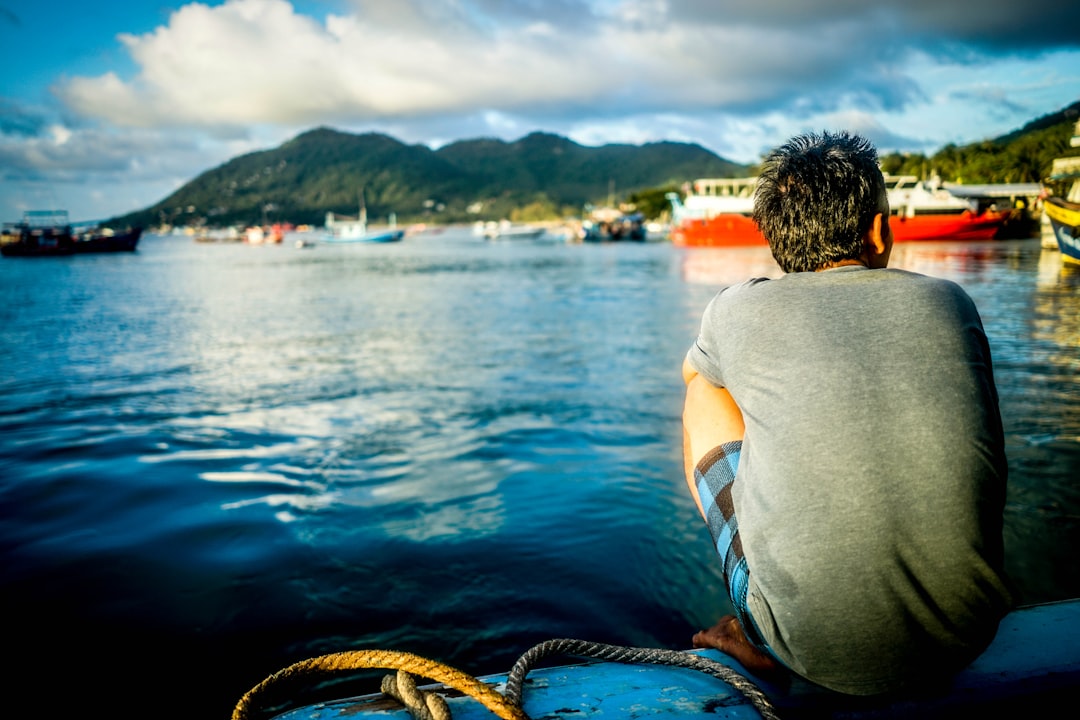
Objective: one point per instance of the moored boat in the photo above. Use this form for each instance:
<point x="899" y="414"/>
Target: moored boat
<point x="612" y="225"/>
<point x="507" y="230"/>
<point x="1062" y="204"/>
<point x="343" y="229"/>
<point x="107" y="240"/>
<point x="1065" y="220"/>
<point x="265" y="234"/>
<point x="717" y="213"/>
<point x="1031" y="667"/>
<point x="49" y="233"/>
<point x="925" y="210"/>
<point x="346" y="229"/>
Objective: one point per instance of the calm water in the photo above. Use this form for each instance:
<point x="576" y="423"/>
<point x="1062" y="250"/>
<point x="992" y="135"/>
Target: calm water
<point x="218" y="460"/>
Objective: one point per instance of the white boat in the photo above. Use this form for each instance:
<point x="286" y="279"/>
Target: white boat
<point x="506" y="230"/>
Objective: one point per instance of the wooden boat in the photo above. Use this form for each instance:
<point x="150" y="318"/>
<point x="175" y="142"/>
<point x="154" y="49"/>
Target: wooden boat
<point x="220" y="235"/>
<point x="107" y="240"/>
<point x="717" y="213"/>
<point x="1065" y="220"/>
<point x="1062" y="204"/>
<point x="48" y="233"/>
<point x="1031" y="668"/>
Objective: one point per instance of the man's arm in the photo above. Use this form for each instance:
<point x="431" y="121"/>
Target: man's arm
<point x="710" y="418"/>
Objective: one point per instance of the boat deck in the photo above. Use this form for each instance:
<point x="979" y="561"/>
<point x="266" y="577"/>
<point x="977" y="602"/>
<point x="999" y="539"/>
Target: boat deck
<point x="1032" y="666"/>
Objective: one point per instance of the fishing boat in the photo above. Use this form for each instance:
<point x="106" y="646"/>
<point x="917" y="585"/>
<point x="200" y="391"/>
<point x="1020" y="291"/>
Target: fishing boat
<point x="49" y="233"/>
<point x="347" y="229"/>
<point x="1031" y="668"/>
<point x="341" y="229"/>
<point x="715" y="213"/>
<point x="718" y="213"/>
<point x="1063" y="213"/>
<point x="613" y="225"/>
<point x="1062" y="203"/>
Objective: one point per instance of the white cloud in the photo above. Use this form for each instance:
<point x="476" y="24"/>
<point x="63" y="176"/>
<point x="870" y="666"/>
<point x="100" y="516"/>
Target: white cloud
<point x="259" y="61"/>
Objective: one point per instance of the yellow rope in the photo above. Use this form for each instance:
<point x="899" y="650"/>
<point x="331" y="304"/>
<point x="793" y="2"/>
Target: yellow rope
<point x="389" y="659"/>
<point x="420" y="704"/>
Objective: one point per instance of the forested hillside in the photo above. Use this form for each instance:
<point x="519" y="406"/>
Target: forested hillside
<point x="540" y="176"/>
<point x="326" y="170"/>
<point x="1024" y="155"/>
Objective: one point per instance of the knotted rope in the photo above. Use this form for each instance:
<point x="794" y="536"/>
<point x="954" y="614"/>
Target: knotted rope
<point x="359" y="659"/>
<point x="421" y="705"/>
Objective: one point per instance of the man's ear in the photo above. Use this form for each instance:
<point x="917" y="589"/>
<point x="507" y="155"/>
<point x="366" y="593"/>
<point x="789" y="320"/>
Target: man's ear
<point x="874" y="240"/>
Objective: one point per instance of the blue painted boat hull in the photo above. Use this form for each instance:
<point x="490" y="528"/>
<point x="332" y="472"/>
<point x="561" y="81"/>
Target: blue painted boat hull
<point x="1033" y="665"/>
<point x="379" y="237"/>
<point x="1065" y="220"/>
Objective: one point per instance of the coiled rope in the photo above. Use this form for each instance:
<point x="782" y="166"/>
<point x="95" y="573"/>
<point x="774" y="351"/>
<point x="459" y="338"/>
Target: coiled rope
<point x="654" y="656"/>
<point x="430" y="706"/>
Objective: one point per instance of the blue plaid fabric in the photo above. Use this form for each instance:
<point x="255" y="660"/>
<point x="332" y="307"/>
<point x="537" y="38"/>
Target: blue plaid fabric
<point x="715" y="475"/>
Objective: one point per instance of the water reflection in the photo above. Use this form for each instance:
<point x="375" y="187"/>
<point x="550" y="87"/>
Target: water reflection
<point x="1057" y="309"/>
<point x="952" y="260"/>
<point x="959" y="261"/>
<point x="726" y="266"/>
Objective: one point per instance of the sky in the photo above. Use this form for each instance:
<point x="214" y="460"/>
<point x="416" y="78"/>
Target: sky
<point x="108" y="107"/>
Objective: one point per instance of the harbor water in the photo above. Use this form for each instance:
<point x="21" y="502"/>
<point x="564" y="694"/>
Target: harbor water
<point x="217" y="460"/>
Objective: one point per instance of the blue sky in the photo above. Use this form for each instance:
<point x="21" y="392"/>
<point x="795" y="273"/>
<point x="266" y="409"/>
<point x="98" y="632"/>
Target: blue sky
<point x="108" y="107"/>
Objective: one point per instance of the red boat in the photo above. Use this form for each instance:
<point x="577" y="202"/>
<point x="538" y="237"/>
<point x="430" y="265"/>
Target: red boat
<point x="927" y="211"/>
<point x="716" y="213"/>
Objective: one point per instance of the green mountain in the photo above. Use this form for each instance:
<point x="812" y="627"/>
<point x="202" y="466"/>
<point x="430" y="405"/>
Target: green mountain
<point x="539" y="176"/>
<point x="326" y="170"/>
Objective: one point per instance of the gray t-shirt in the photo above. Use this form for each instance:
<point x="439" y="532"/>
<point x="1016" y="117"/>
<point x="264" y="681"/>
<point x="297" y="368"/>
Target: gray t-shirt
<point x="872" y="481"/>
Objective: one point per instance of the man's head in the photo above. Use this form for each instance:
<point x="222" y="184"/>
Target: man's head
<point x="816" y="200"/>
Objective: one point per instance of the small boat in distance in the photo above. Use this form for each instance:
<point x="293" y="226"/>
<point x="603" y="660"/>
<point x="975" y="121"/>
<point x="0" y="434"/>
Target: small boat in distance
<point x="346" y="229"/>
<point x="49" y="233"/>
<point x="1062" y="204"/>
<point x="265" y="234"/>
<point x="612" y="225"/>
<point x="506" y="230"/>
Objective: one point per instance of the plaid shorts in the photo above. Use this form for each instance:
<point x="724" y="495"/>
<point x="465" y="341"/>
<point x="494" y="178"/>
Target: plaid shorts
<point x="715" y="475"/>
